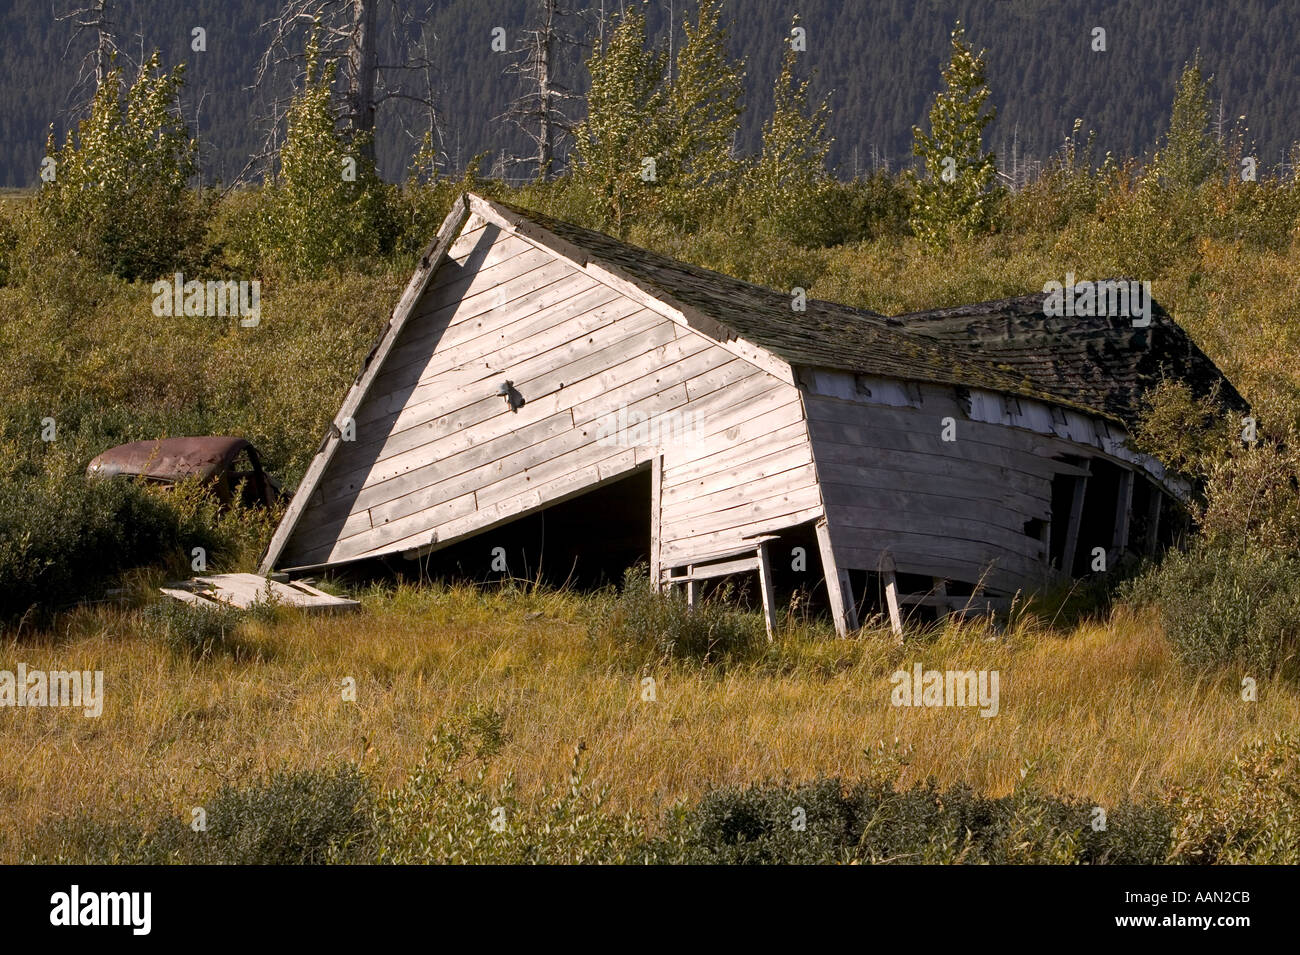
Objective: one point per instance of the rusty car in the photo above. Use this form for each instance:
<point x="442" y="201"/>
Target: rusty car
<point x="230" y="466"/>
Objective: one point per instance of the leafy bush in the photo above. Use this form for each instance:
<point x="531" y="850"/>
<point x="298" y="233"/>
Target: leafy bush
<point x="314" y="216"/>
<point x="446" y="812"/>
<point x="654" y="626"/>
<point x="826" y="821"/>
<point x="65" y="537"/>
<point x="304" y="817"/>
<point x="119" y="197"/>
<point x="8" y="241"/>
<point x="1251" y="815"/>
<point x="293" y="818"/>
<point x="1252" y="500"/>
<point x="1226" y="606"/>
<point x="197" y="632"/>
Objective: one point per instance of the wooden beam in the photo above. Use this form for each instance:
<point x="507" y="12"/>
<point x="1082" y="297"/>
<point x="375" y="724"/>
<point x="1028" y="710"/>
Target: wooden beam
<point x="838" y="588"/>
<point x="692" y="588"/>
<point x="940" y="588"/>
<point x="656" y="520"/>
<point x="710" y="571"/>
<point x="1153" y="521"/>
<point x="1072" y="531"/>
<point x="432" y="258"/>
<point x="765" y="585"/>
<point x="888" y="575"/>
<point x="1123" y="513"/>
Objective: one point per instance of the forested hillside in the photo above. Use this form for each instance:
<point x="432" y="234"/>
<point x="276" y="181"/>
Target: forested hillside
<point x="879" y="60"/>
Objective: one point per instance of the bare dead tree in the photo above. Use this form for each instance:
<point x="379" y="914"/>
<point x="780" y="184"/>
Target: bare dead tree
<point x="541" y="111"/>
<point x="362" y="67"/>
<point x="96" y="18"/>
<point x="348" y="32"/>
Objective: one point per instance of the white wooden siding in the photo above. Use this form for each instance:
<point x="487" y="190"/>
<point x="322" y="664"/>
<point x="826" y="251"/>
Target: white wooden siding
<point x="438" y="455"/>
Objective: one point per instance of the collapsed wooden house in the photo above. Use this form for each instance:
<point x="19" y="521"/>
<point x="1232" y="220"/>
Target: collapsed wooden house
<point x="648" y="408"/>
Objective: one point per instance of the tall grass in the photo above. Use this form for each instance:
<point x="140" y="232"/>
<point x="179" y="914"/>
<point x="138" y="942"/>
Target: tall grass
<point x="1100" y="712"/>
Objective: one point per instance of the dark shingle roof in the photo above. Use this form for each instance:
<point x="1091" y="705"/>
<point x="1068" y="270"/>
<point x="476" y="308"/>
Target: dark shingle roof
<point x="1101" y="362"/>
<point x="1008" y="345"/>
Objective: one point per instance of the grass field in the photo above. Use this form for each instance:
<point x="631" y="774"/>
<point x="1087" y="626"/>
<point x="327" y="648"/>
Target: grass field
<point x="1097" y="711"/>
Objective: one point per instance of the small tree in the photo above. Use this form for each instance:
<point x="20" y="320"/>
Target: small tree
<point x="703" y="115"/>
<point x="788" y="188"/>
<point x="328" y="203"/>
<point x="1191" y="154"/>
<point x="619" y="144"/>
<point x="118" y="194"/>
<point x="959" y="191"/>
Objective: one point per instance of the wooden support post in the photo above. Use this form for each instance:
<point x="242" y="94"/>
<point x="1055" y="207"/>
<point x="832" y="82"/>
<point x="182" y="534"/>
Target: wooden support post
<point x="765" y="585"/>
<point x="838" y="588"/>
<point x="888" y="575"/>
<point x="940" y="587"/>
<point x="1153" y="520"/>
<point x="656" y="522"/>
<point x="1072" y="533"/>
<point x="1123" y="514"/>
<point x="691" y="587"/>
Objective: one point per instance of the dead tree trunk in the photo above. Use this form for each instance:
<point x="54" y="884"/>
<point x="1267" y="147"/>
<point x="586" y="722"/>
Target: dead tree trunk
<point x="546" y="132"/>
<point x="362" y="63"/>
<point x="539" y="113"/>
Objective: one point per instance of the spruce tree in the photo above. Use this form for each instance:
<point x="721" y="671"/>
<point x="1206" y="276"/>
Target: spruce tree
<point x="959" y="191"/>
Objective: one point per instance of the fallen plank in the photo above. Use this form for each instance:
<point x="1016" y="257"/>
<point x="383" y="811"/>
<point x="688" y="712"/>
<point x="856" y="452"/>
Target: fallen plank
<point x="245" y="590"/>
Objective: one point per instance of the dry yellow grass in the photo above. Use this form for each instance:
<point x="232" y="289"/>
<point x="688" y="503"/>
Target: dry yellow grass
<point x="1100" y="712"/>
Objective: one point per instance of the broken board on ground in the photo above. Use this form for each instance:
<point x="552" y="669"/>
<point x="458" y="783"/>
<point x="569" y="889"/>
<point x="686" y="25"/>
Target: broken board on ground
<point x="245" y="590"/>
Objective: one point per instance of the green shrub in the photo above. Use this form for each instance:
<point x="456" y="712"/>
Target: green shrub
<point x="305" y="817"/>
<point x="89" y="840"/>
<point x="302" y="817"/>
<point x="314" y="217"/>
<point x="826" y="821"/>
<point x="1252" y="814"/>
<point x="8" y="240"/>
<point x="120" y="197"/>
<point x="446" y="812"/>
<point x="1225" y="606"/>
<point x="197" y="632"/>
<point x="64" y="537"/>
<point x="651" y="626"/>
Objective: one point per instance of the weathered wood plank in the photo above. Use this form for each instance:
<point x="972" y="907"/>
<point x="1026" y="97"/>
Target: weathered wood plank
<point x="682" y="550"/>
<point x="429" y="263"/>
<point x="247" y="590"/>
<point x="838" y="588"/>
<point x="1072" y="529"/>
<point x="656" y="520"/>
<point x="756" y="483"/>
<point x="788" y="501"/>
<point x="890" y="578"/>
<point x="765" y="587"/>
<point x="1123" y="513"/>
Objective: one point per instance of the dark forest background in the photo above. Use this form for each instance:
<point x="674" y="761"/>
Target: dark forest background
<point x="879" y="60"/>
